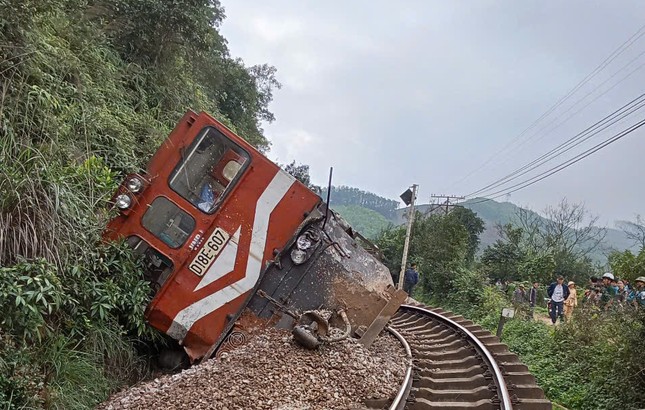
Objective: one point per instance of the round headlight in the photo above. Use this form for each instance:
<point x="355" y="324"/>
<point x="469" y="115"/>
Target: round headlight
<point x="123" y="201"/>
<point x="134" y="184"/>
<point x="298" y="257"/>
<point x="303" y="243"/>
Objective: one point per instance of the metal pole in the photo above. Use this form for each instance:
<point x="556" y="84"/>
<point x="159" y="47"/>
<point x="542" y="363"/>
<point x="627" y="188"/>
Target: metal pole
<point x="407" y="236"/>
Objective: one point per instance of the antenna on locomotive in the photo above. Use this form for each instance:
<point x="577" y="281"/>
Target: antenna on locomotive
<point x="331" y="172"/>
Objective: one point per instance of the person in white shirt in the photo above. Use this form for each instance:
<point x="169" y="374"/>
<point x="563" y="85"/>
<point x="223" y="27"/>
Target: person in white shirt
<point x="558" y="293"/>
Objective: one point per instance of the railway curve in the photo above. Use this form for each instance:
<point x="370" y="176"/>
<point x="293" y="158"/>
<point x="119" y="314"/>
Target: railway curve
<point x="457" y="364"/>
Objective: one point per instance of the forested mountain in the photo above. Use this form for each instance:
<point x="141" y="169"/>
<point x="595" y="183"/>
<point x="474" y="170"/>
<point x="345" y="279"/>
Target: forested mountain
<point x="493" y="214"/>
<point x="344" y="195"/>
<point x="88" y="90"/>
<point x="366" y="221"/>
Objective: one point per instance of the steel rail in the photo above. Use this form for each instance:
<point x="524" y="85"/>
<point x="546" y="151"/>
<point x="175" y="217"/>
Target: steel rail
<point x="402" y="396"/>
<point x="502" y="389"/>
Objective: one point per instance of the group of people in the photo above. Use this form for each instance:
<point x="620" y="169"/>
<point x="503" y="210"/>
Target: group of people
<point x="610" y="292"/>
<point x="605" y="292"/>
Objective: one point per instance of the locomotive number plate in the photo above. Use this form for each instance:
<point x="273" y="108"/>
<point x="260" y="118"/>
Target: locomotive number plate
<point x="207" y="254"/>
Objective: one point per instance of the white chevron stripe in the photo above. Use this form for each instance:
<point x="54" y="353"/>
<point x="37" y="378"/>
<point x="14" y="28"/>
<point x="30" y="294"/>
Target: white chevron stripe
<point x="270" y="198"/>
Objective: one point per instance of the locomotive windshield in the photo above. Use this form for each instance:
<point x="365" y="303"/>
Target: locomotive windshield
<point x="207" y="169"/>
<point x="168" y="222"/>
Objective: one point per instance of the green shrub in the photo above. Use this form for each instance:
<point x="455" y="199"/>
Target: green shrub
<point x="29" y="292"/>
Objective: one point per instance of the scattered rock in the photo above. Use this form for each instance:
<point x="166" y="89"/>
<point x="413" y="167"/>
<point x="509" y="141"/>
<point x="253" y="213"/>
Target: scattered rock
<point x="272" y="372"/>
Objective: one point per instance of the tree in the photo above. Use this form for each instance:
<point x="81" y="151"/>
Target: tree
<point x="473" y="224"/>
<point x="440" y="246"/>
<point x="567" y="232"/>
<point x="502" y="260"/>
<point x="566" y="228"/>
<point x="299" y="172"/>
<point x="626" y="265"/>
<point x="634" y="230"/>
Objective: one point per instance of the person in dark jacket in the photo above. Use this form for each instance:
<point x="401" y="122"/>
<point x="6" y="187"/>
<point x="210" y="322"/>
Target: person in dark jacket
<point x="558" y="292"/>
<point x="533" y="298"/>
<point x="410" y="278"/>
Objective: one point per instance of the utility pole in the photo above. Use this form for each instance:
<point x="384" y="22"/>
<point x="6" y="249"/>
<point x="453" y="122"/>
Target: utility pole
<point x="447" y="200"/>
<point x="408" y="197"/>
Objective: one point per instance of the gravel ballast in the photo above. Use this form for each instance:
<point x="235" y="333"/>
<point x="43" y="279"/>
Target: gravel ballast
<point x="272" y="372"/>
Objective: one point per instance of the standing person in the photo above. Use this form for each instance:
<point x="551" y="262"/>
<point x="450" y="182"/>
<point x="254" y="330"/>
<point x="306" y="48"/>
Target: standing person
<point x="622" y="294"/>
<point x="533" y="298"/>
<point x="558" y="294"/>
<point x="519" y="296"/>
<point x="411" y="278"/>
<point x="571" y="301"/>
<point x="608" y="292"/>
<point x="637" y="295"/>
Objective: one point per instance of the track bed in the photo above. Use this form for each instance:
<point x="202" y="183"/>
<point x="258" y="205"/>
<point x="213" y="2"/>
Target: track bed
<point x="458" y="365"/>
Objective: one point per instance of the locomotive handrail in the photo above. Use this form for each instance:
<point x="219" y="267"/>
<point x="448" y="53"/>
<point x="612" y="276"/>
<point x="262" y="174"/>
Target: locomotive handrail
<point x="402" y="395"/>
<point x="502" y="389"/>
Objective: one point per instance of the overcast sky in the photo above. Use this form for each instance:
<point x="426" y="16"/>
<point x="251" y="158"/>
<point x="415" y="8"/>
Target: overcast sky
<point x="427" y="92"/>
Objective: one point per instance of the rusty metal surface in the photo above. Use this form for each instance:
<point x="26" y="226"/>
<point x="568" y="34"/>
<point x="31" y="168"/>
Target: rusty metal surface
<point x="339" y="274"/>
<point x="396" y="298"/>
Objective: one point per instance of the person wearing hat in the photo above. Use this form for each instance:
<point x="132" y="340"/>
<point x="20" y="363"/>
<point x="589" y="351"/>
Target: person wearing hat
<point x="637" y="296"/>
<point x="571" y="302"/>
<point x="608" y="291"/>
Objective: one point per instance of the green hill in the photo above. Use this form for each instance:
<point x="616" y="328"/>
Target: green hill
<point x="366" y="221"/>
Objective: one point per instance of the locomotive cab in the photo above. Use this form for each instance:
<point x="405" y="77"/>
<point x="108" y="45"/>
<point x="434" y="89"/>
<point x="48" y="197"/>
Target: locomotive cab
<point x="206" y="217"/>
<point x="214" y="221"/>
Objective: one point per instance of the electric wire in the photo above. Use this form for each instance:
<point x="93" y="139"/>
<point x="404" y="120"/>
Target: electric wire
<point x="617" y="52"/>
<point x="554" y="120"/>
<point x="564" y="165"/>
<point x="591" y="131"/>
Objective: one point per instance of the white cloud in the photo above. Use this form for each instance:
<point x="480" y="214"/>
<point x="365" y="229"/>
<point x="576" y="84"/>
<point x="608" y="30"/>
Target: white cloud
<point x="427" y="90"/>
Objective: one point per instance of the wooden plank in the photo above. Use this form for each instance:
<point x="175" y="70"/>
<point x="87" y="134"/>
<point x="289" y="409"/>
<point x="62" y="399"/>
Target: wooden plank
<point x="383" y="317"/>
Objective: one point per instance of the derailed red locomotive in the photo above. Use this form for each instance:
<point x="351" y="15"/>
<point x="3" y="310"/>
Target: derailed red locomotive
<point x="215" y="222"/>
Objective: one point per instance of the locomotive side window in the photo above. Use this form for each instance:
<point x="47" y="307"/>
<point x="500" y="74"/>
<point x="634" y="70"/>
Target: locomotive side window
<point x="168" y="222"/>
<point x="207" y="169"/>
<point x="157" y="266"/>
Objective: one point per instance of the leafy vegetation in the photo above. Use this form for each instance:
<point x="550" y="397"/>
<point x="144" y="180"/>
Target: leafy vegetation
<point x="440" y="245"/>
<point x="88" y="90"/>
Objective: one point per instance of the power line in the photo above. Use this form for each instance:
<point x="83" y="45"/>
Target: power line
<point x="554" y="120"/>
<point x="618" y="51"/>
<point x="565" y="164"/>
<point x="591" y="131"/>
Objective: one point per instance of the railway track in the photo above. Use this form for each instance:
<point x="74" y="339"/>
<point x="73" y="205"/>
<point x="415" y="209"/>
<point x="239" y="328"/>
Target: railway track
<point x="457" y="364"/>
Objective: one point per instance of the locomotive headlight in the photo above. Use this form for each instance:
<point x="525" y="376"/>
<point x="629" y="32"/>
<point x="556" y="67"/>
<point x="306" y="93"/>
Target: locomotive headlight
<point x="135" y="185"/>
<point x="298" y="256"/>
<point x="303" y="242"/>
<point x="123" y="202"/>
